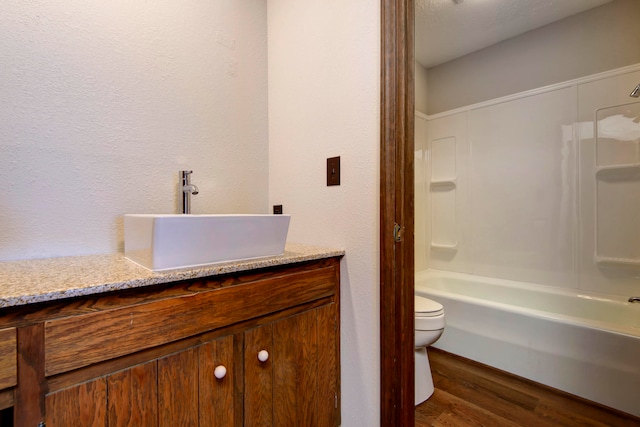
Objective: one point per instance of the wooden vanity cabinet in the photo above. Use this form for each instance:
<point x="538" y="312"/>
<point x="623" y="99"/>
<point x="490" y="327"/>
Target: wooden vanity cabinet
<point x="149" y="357"/>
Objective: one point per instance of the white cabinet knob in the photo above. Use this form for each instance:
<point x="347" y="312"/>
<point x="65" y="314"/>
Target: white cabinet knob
<point x="263" y="355"/>
<point x="220" y="372"/>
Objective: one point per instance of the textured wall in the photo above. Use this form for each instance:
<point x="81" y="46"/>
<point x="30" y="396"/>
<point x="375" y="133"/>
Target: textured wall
<point x="324" y="67"/>
<point x="104" y="101"/>
<point x="421" y="79"/>
<point x="590" y="42"/>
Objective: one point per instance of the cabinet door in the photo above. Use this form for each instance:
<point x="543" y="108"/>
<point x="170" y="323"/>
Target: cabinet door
<point x="328" y="366"/>
<point x="217" y="400"/>
<point x="8" y="356"/>
<point x="298" y="384"/>
<point x="131" y="397"/>
<point x="189" y="394"/>
<point x="258" y="377"/>
<point x="124" y="399"/>
<point x="83" y="405"/>
<point x="295" y="370"/>
<point x="178" y="389"/>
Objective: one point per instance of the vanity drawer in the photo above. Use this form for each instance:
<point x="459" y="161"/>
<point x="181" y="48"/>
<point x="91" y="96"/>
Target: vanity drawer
<point x="77" y="341"/>
<point x="8" y="357"/>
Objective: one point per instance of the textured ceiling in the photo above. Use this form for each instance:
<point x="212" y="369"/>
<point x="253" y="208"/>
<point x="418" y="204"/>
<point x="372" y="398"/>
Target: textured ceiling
<point x="447" y="29"/>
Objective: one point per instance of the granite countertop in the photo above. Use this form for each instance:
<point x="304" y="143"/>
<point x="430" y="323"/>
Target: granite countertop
<point x="41" y="280"/>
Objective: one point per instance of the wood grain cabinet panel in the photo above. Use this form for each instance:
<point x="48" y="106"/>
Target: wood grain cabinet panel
<point x="83" y="405"/>
<point x="8" y="357"/>
<point x="125" y="398"/>
<point x="298" y="385"/>
<point x="81" y="340"/>
<point x="218" y="400"/>
<point x="258" y="377"/>
<point x="132" y="397"/>
<point x="328" y="366"/>
<point x="295" y="374"/>
<point x="189" y="394"/>
<point x="178" y="389"/>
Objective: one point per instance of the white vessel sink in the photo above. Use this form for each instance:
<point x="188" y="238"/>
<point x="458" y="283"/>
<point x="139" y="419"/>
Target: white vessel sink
<point x="163" y="242"/>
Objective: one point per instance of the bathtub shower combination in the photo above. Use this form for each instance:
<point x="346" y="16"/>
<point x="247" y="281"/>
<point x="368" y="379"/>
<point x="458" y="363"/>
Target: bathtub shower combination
<point x="587" y="345"/>
<point x="528" y="233"/>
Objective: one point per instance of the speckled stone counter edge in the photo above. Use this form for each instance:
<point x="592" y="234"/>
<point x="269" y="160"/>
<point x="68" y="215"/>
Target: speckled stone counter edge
<point x="41" y="280"/>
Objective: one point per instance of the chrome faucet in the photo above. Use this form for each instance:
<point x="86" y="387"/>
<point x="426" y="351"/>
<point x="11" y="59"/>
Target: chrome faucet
<point x="187" y="190"/>
<point x="634" y="299"/>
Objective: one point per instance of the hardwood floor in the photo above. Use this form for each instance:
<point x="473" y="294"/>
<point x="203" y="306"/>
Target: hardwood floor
<point x="471" y="394"/>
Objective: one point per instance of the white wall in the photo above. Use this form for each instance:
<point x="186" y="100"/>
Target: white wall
<point x="421" y="81"/>
<point x="103" y="102"/>
<point x="599" y="39"/>
<point x="324" y="72"/>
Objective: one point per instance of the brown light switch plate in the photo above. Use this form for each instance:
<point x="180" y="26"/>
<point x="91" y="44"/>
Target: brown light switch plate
<point x="333" y="171"/>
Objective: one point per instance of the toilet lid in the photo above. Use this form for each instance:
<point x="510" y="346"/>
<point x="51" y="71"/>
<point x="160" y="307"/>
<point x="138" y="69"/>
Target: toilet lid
<point x="425" y="307"/>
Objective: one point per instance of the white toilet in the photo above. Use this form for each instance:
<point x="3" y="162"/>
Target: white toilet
<point x="428" y="328"/>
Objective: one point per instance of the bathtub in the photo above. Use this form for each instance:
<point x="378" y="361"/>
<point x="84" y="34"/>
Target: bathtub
<point x="586" y="345"/>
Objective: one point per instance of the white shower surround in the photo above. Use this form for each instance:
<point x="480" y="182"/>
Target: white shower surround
<point x="514" y="195"/>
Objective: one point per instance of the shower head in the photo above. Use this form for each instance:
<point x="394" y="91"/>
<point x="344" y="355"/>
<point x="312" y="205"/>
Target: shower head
<point x="636" y="92"/>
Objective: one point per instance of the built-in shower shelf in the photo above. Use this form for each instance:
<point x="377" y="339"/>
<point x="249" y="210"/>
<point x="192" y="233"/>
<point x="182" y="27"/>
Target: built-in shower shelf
<point x="617" y="171"/>
<point x="443" y="194"/>
<point x="442" y="246"/>
<point x="443" y="184"/>
<point x="617" y="261"/>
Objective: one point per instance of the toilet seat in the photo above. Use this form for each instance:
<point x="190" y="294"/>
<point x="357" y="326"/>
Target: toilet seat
<point x="425" y="307"/>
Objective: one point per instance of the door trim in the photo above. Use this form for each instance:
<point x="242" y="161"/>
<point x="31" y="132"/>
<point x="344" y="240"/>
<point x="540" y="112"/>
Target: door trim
<point x="396" y="207"/>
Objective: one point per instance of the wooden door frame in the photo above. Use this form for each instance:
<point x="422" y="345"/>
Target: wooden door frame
<point x="397" y="406"/>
